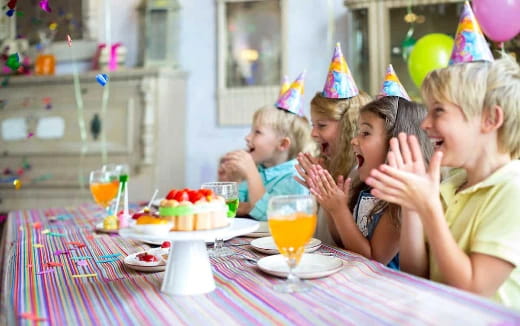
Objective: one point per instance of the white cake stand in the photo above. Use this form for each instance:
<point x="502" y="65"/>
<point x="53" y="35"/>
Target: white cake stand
<point x="188" y="271"/>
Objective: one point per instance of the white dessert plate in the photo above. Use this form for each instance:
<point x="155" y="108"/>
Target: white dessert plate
<point x="266" y="245"/>
<point x="262" y="231"/>
<point x="238" y="227"/>
<point x="311" y="266"/>
<point x="100" y="228"/>
<point x="131" y="261"/>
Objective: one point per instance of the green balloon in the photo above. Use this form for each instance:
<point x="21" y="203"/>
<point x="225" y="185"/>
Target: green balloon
<point x="431" y="52"/>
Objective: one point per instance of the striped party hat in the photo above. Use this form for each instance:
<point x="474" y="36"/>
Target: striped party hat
<point x="392" y="86"/>
<point x="339" y="83"/>
<point x="470" y="44"/>
<point x="291" y="98"/>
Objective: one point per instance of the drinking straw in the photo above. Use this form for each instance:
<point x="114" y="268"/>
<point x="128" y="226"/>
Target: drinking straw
<point x="153" y="198"/>
<point x="117" y="199"/>
<point x="123" y="219"/>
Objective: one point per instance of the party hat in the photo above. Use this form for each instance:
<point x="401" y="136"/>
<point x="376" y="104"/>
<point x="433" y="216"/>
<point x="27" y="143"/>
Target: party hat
<point x="290" y="100"/>
<point x="470" y="44"/>
<point x="392" y="86"/>
<point x="339" y="83"/>
<point x="285" y="85"/>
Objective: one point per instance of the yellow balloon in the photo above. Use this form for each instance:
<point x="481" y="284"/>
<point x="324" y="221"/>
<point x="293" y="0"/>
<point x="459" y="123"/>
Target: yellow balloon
<point x="431" y="52"/>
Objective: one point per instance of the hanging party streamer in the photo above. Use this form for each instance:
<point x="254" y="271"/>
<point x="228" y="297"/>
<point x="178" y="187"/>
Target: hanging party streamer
<point x="81" y="120"/>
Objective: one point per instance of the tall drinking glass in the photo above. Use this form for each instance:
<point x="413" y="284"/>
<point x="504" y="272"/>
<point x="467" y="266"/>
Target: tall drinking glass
<point x="292" y="221"/>
<point x="119" y="171"/>
<point x="103" y="186"/>
<point x="228" y="190"/>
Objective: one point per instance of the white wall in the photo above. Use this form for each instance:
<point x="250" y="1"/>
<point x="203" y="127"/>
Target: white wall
<point x="307" y="48"/>
<point x="308" y="23"/>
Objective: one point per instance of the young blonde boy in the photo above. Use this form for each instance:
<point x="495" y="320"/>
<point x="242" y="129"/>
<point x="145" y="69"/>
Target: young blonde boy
<point x="472" y="230"/>
<point x="267" y="166"/>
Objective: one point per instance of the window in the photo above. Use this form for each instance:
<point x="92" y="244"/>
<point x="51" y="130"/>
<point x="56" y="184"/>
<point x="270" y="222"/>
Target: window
<point x="250" y="56"/>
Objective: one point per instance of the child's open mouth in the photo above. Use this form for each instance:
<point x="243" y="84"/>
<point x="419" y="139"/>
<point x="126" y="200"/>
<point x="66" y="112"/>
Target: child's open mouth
<point x="250" y="149"/>
<point x="324" y="148"/>
<point x="360" y="160"/>
<point x="437" y="143"/>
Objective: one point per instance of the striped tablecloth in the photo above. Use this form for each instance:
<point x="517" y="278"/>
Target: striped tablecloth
<point x="362" y="293"/>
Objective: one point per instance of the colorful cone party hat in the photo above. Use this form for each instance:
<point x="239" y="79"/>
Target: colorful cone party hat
<point x="285" y="85"/>
<point x="470" y="44"/>
<point x="290" y="100"/>
<point x="392" y="86"/>
<point x="339" y="83"/>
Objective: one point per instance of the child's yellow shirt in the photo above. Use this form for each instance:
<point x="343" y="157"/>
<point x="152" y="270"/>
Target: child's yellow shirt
<point x="485" y="218"/>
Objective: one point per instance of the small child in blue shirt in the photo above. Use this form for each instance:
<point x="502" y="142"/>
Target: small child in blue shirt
<point x="267" y="165"/>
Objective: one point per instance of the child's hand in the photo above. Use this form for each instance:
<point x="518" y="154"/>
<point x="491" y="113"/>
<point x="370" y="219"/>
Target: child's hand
<point x="241" y="162"/>
<point x="407" y="183"/>
<point x="331" y="196"/>
<point x="305" y="162"/>
<point x="403" y="157"/>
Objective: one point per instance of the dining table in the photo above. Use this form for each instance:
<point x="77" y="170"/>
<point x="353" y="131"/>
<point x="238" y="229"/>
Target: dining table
<point x="56" y="269"/>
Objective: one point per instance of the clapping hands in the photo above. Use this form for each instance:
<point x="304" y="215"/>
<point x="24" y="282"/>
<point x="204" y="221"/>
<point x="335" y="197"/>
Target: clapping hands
<point x="405" y="180"/>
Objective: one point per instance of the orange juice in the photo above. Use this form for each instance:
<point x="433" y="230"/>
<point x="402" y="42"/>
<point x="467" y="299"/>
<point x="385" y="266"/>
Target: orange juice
<point x="44" y="64"/>
<point x="103" y="193"/>
<point x="291" y="233"/>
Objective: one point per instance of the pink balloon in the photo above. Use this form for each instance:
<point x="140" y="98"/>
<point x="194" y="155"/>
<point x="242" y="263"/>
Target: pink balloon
<point x="499" y="19"/>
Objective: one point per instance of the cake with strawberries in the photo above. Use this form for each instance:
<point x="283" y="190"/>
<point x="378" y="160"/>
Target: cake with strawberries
<point x="190" y="210"/>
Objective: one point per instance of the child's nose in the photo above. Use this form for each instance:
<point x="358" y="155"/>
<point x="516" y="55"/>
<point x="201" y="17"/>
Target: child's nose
<point x="314" y="132"/>
<point x="354" y="141"/>
<point x="426" y="123"/>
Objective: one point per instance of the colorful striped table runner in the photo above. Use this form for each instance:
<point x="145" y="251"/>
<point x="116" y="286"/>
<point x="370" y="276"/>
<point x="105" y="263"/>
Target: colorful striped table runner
<point x="40" y="286"/>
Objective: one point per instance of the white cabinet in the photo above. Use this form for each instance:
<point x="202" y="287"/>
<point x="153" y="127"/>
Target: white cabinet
<point x="144" y="125"/>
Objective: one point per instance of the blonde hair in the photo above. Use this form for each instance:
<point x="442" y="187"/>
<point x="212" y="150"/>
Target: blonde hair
<point x="477" y="87"/>
<point x="346" y="111"/>
<point x="290" y="125"/>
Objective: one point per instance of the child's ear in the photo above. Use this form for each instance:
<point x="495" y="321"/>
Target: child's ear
<point x="492" y="119"/>
<point x="284" y="145"/>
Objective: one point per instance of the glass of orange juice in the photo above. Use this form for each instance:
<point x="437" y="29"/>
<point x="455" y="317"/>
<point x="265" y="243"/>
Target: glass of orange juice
<point x="292" y="221"/>
<point x="103" y="186"/>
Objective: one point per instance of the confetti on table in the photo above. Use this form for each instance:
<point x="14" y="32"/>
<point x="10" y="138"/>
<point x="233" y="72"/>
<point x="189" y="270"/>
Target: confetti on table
<point x="64" y="217"/>
<point x="31" y="316"/>
<point x="37" y="245"/>
<point x="80" y="257"/>
<point x="10" y="13"/>
<point x="45" y="271"/>
<point x="61" y="252"/>
<point x="11" y="4"/>
<point x="37" y="225"/>
<point x="82" y="263"/>
<point x="102" y="79"/>
<point x="13" y="61"/>
<point x="69" y="41"/>
<point x="53" y="26"/>
<point x="44" y="4"/>
<point x="110" y="256"/>
<point x="54" y="234"/>
<point x="46" y="231"/>
<point x="17" y="184"/>
<point x="84" y="275"/>
<point x="53" y="264"/>
<point x="106" y="261"/>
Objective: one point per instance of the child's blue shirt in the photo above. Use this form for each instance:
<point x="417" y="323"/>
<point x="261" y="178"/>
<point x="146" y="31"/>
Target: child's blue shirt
<point x="277" y="180"/>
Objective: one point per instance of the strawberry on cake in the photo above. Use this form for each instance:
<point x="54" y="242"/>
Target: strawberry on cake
<point x="190" y="210"/>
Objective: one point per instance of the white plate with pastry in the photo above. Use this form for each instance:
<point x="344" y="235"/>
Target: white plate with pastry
<point x="266" y="245"/>
<point x="311" y="266"/>
<point x="153" y="260"/>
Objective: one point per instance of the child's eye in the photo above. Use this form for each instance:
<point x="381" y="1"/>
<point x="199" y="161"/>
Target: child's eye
<point x="258" y="132"/>
<point x="364" y="133"/>
<point x="438" y="110"/>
